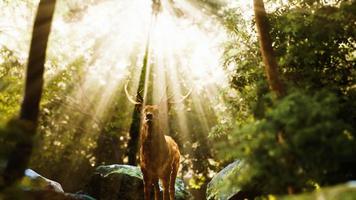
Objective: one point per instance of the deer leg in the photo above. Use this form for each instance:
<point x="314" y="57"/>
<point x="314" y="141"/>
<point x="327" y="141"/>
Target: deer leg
<point x="165" y="184"/>
<point x="147" y="190"/>
<point x="156" y="188"/>
<point x="147" y="183"/>
<point x="174" y="172"/>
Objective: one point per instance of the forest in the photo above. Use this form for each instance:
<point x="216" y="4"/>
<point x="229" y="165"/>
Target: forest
<point x="177" y="99"/>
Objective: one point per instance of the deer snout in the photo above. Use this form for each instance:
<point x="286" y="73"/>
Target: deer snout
<point x="149" y="116"/>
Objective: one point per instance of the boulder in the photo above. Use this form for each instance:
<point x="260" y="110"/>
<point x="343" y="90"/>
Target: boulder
<point x="20" y="194"/>
<point x="123" y="182"/>
<point x="345" y="191"/>
<point x="217" y="190"/>
<point x="33" y="180"/>
<point x="34" y="186"/>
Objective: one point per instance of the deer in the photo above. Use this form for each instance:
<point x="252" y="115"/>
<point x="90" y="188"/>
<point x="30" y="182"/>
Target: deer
<point x="159" y="153"/>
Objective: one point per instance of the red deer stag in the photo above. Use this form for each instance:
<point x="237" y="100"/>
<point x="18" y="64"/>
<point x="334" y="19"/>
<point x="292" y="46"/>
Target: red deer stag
<point x="159" y="153"/>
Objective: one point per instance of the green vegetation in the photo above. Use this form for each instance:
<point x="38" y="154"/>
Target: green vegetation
<point x="306" y="138"/>
<point x="288" y="143"/>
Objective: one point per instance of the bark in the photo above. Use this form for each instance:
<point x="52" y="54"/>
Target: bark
<point x="20" y="156"/>
<point x="136" y="116"/>
<point x="269" y="60"/>
<point x="134" y="136"/>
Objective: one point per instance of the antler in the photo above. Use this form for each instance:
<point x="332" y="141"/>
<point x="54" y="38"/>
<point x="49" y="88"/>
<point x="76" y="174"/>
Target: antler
<point x="130" y="98"/>
<point x="179" y="101"/>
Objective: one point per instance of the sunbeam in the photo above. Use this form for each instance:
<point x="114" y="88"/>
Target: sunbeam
<point x="238" y="98"/>
<point x="108" y="41"/>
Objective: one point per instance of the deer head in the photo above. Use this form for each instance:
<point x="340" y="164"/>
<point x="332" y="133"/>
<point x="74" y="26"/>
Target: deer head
<point x="151" y="118"/>
<point x="150" y="114"/>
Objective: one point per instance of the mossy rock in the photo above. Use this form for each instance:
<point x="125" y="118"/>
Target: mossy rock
<point x="123" y="182"/>
<point x="34" y="181"/>
<point x="218" y="188"/>
<point x="339" y="192"/>
<point x="20" y="194"/>
<point x="33" y="186"/>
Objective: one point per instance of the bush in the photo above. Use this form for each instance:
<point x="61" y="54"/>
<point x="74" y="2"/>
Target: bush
<point x="301" y="142"/>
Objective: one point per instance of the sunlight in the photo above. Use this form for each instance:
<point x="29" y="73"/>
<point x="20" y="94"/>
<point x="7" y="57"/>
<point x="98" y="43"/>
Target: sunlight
<point x="140" y="90"/>
<point x="193" y="50"/>
<point x="180" y="45"/>
<point x="185" y="53"/>
<point x="16" y="35"/>
<point x="110" y="38"/>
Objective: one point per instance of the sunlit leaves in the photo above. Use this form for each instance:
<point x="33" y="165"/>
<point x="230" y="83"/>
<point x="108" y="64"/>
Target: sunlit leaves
<point x="11" y="75"/>
<point x="313" y="57"/>
<point x="311" y="127"/>
<point x="315" y="48"/>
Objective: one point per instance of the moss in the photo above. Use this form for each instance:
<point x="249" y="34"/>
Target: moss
<point x="339" y="192"/>
<point x="124" y="182"/>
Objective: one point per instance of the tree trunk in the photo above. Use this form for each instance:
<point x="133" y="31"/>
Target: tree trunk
<point x="270" y="63"/>
<point x="136" y="116"/>
<point x="20" y="156"/>
<point x="134" y="136"/>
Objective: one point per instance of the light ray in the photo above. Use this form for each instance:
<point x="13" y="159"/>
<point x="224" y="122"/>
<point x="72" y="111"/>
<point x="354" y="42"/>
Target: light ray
<point x="110" y="38"/>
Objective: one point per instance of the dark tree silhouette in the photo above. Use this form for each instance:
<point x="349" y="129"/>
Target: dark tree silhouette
<point x="132" y="147"/>
<point x="19" y="157"/>
<point x="269" y="60"/>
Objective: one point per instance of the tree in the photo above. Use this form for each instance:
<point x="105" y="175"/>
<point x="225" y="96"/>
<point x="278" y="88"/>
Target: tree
<point x="132" y="146"/>
<point x="271" y="67"/>
<point x="315" y="115"/>
<point x="19" y="157"/>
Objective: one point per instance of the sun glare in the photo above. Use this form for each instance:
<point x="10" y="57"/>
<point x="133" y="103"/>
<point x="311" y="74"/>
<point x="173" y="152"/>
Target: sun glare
<point x="185" y="51"/>
<point x="108" y="39"/>
<point x="185" y="46"/>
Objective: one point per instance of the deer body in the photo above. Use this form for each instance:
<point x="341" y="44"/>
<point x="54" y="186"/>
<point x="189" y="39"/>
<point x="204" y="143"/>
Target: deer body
<point x="159" y="156"/>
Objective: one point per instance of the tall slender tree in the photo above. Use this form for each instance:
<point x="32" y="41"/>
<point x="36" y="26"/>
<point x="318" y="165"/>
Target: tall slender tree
<point x="136" y="115"/>
<point x="20" y="156"/>
<point x="134" y="133"/>
<point x="269" y="60"/>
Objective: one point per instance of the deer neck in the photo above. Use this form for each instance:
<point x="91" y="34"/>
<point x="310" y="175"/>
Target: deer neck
<point x="153" y="137"/>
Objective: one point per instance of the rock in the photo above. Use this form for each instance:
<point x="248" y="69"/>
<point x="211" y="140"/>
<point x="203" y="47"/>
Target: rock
<point x="339" y="192"/>
<point x="216" y="189"/>
<point x="35" y="186"/>
<point x="123" y="182"/>
<point x="20" y="194"/>
<point x="33" y="180"/>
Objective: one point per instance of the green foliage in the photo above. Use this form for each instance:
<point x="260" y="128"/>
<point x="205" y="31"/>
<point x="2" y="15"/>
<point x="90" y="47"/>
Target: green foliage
<point x="241" y="52"/>
<point x="316" y="47"/>
<point x="317" y="146"/>
<point x="15" y="131"/>
<point x="75" y="130"/>
<point x="11" y="71"/>
<point x="308" y="137"/>
<point x="315" y="123"/>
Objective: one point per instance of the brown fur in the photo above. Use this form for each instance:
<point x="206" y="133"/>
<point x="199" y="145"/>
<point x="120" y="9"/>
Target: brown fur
<point x="159" y="156"/>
